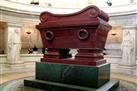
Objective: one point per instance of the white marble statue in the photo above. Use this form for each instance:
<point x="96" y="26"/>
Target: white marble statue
<point x="127" y="48"/>
<point x="14" y="46"/>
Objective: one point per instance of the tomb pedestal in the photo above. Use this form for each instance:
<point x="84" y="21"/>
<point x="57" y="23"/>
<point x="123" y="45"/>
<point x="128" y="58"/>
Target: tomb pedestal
<point x="86" y="30"/>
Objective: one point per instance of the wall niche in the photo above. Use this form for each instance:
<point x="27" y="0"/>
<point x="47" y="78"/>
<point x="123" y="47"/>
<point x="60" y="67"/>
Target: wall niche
<point x="30" y="38"/>
<point x="3" y="26"/>
<point x="114" y="40"/>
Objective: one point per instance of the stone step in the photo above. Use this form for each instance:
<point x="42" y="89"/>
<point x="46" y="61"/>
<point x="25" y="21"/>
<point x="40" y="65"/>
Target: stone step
<point x="54" y="86"/>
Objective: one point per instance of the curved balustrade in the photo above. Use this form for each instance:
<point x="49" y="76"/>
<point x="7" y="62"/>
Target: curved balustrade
<point x="31" y="9"/>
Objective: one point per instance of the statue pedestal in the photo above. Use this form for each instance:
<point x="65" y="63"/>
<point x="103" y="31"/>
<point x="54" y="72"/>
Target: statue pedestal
<point x="53" y="86"/>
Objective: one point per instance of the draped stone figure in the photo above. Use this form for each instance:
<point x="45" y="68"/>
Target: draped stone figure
<point x="127" y="47"/>
<point x="14" y="46"/>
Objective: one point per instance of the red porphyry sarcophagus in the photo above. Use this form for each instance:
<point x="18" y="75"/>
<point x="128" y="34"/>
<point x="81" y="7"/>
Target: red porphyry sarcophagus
<point x="85" y="30"/>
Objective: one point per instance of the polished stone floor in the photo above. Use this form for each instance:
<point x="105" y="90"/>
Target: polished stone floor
<point x="14" y="82"/>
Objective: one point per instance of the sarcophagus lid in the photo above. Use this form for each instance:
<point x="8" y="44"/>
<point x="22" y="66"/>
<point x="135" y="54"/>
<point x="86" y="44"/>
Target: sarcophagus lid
<point x="87" y="28"/>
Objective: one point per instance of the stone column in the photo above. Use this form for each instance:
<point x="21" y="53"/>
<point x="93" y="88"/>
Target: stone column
<point x="14" y="46"/>
<point x="128" y="64"/>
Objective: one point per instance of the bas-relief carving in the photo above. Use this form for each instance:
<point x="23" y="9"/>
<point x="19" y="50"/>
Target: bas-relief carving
<point x="128" y="55"/>
<point x="14" y="46"/>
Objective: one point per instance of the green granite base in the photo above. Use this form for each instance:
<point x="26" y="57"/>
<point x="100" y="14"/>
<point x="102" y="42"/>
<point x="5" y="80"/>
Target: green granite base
<point x="52" y="86"/>
<point x="80" y="75"/>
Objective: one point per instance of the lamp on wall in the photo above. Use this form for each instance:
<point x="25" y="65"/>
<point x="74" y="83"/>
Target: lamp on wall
<point x="48" y="4"/>
<point x="113" y="33"/>
<point x="109" y="3"/>
<point x="131" y="1"/>
<point x="34" y="2"/>
<point x="28" y="30"/>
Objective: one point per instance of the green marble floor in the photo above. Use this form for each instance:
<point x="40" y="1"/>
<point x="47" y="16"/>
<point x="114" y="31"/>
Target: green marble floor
<point x="17" y="85"/>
